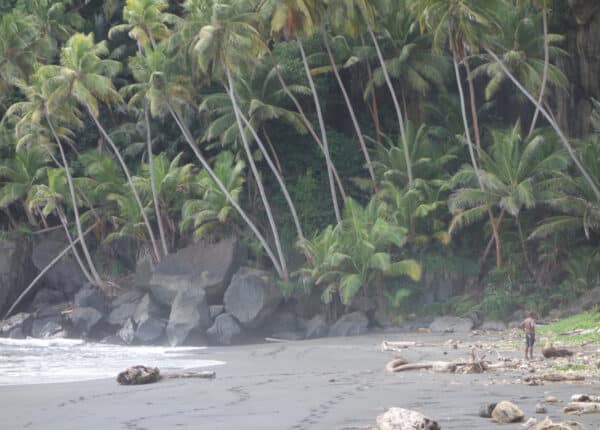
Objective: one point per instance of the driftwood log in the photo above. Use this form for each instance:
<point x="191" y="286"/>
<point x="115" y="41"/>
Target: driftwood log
<point x="585" y="398"/>
<point x="475" y="365"/>
<point x="555" y="377"/>
<point x="387" y="345"/>
<point x="138" y="375"/>
<point x="550" y="351"/>
<point x="582" y="408"/>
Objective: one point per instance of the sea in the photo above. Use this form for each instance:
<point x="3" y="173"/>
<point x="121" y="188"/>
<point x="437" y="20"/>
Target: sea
<point x="41" y="361"/>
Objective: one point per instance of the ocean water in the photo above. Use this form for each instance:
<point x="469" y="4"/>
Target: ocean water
<point x="39" y="361"/>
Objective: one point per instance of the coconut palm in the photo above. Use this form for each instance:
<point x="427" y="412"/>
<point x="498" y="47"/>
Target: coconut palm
<point x="85" y="77"/>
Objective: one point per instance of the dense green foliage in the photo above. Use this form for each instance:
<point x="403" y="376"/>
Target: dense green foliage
<point x="360" y="148"/>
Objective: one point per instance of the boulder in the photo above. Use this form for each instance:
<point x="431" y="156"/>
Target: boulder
<point x="47" y="296"/>
<point x="352" y="324"/>
<point x="90" y="296"/>
<point x="189" y="312"/>
<point x="65" y="275"/>
<point x="17" y="333"/>
<point x="252" y="297"/>
<point x="127" y="332"/>
<point x="202" y="265"/>
<point x="84" y="319"/>
<point x="15" y="271"/>
<point x="547" y="424"/>
<point x="451" y="325"/>
<point x="540" y="409"/>
<point x="225" y="330"/>
<point x="485" y="410"/>
<point x="215" y="311"/>
<point x="527" y="425"/>
<point x="494" y="325"/>
<point x="316" y="327"/>
<point x="506" y="412"/>
<point x="46" y="328"/>
<point x="405" y="419"/>
<point x="147" y="308"/>
<point x="123" y="307"/>
<point x="20" y="321"/>
<point x="281" y="321"/>
<point x="150" y="330"/>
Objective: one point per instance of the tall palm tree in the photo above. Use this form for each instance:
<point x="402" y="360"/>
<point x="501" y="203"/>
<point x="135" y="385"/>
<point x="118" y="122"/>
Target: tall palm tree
<point x="86" y="78"/>
<point x="229" y="43"/>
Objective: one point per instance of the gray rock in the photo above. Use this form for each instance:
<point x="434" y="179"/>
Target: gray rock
<point x="451" y="325"/>
<point x="46" y="328"/>
<point x="90" y="296"/>
<point x="540" y="409"/>
<point x="46" y="297"/>
<point x="65" y="275"/>
<point x="528" y="424"/>
<point x="506" y="412"/>
<point x="150" y="330"/>
<point x="84" y="319"/>
<point x="493" y="325"/>
<point x="15" y="271"/>
<point x="17" y="333"/>
<point x="485" y="410"/>
<point x="281" y="321"/>
<point x="189" y="312"/>
<point x="201" y="265"/>
<point x="124" y="306"/>
<point x="147" y="308"/>
<point x="225" y="330"/>
<point x="52" y="311"/>
<point x="316" y="327"/>
<point x="252" y="297"/>
<point x="352" y="324"/>
<point x="405" y="419"/>
<point x="215" y="311"/>
<point x="127" y="332"/>
<point x="22" y="320"/>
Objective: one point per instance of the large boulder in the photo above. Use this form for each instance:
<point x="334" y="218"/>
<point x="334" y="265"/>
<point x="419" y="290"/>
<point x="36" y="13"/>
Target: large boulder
<point x="225" y="330"/>
<point x="405" y="419"/>
<point x="451" y="325"/>
<point x="280" y="322"/>
<point x="316" y="327"/>
<point x="252" y="297"/>
<point x="21" y="321"/>
<point x="506" y="412"/>
<point x="65" y="275"/>
<point x="84" y="319"/>
<point x="127" y="332"/>
<point x="46" y="297"/>
<point x="201" y="265"/>
<point x="149" y="318"/>
<point x="124" y="306"/>
<point x="189" y="312"/>
<point x="15" y="271"/>
<point x="46" y="328"/>
<point x="353" y="324"/>
<point x="90" y="296"/>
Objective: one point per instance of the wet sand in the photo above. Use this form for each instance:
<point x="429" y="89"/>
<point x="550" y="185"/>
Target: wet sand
<point x="328" y="384"/>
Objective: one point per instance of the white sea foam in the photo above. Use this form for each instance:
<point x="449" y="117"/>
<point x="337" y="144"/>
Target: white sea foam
<point x="35" y="361"/>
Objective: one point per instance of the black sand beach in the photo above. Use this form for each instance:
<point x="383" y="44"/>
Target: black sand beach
<point x="328" y="384"/>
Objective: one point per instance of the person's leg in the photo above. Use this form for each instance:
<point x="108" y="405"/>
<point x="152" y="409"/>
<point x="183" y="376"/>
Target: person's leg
<point x="526" y="347"/>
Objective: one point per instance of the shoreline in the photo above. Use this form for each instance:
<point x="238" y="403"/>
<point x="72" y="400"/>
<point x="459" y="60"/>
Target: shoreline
<point x="330" y="383"/>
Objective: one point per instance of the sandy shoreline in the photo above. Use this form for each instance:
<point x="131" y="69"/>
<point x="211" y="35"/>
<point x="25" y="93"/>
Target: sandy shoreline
<point x="334" y="383"/>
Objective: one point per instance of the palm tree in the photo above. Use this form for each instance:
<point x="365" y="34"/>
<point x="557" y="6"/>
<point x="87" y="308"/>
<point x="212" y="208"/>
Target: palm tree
<point x="230" y="42"/>
<point x="515" y="172"/>
<point x="293" y="18"/>
<point x="86" y="78"/>
<point x="544" y="6"/>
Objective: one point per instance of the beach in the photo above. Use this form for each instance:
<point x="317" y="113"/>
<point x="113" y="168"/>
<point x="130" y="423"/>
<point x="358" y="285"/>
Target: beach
<point x="328" y="384"/>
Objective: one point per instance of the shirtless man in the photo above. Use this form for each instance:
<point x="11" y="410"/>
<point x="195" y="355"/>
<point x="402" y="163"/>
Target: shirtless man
<point x="528" y="326"/>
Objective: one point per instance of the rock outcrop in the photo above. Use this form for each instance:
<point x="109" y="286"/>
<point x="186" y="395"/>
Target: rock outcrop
<point x="189" y="312"/>
<point x="405" y="419"/>
<point x="353" y="324"/>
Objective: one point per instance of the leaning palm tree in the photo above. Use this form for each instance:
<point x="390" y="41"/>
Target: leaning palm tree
<point x="85" y="77"/>
<point x="231" y="43"/>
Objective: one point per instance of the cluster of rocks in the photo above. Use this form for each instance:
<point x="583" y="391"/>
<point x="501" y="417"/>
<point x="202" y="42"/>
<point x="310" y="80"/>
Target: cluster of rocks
<point x="198" y="295"/>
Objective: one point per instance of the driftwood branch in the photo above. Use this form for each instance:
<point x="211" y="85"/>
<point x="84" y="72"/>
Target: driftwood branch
<point x="555" y="377"/>
<point x="138" y="375"/>
<point x="582" y="408"/>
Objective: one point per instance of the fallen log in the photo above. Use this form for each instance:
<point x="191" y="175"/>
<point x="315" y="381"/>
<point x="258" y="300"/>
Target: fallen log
<point x="396" y="346"/>
<point x="395" y="363"/>
<point x="582" y="408"/>
<point x="585" y="398"/>
<point x="555" y="377"/>
<point x="549" y="351"/>
<point x="436" y="366"/>
<point x="138" y="375"/>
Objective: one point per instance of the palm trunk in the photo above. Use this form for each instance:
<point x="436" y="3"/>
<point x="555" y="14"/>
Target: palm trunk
<point x="129" y="181"/>
<point x="310" y="129"/>
<point x="43" y="272"/>
<point x="474" y="116"/>
<point x="336" y="207"/>
<point x="97" y="280"/>
<point x="357" y="128"/>
<point x="272" y="148"/>
<point x="284" y="189"/>
<point x="373" y="108"/>
<point x="159" y="221"/>
<point x="388" y="80"/>
<point x="473" y="159"/>
<point x="553" y="123"/>
<point x="524" y="248"/>
<point x="188" y="137"/>
<point x="261" y="188"/>
<point x="63" y="221"/>
<point x="544" y="73"/>
<point x="492" y="239"/>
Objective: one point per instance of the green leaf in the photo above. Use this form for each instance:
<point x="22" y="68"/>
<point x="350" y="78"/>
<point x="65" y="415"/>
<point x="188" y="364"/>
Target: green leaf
<point x="410" y="268"/>
<point x="349" y="286"/>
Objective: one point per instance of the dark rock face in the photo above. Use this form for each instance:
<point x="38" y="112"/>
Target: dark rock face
<point x="45" y="328"/>
<point x="281" y="321"/>
<point x="215" y="311"/>
<point x="316" y="327"/>
<point x="201" y="265"/>
<point x="46" y="297"/>
<point x="353" y="324"/>
<point x="20" y="321"/>
<point x="90" y="296"/>
<point x="15" y="272"/>
<point x="66" y="274"/>
<point x="123" y="307"/>
<point x="150" y="321"/>
<point x="189" y="312"/>
<point x="252" y="297"/>
<point x="84" y="319"/>
<point x="225" y="330"/>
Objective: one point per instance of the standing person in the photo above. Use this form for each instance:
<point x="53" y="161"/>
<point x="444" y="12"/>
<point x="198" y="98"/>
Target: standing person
<point x="528" y="326"/>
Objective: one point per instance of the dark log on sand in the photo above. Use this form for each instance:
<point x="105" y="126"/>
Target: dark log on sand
<point x="582" y="408"/>
<point x="138" y="375"/>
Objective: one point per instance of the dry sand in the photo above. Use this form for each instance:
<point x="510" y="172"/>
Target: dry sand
<point x="328" y="384"/>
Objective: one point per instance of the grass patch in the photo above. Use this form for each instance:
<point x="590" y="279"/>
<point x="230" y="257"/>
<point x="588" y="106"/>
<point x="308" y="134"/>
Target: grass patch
<point x="585" y="320"/>
<point x="567" y="367"/>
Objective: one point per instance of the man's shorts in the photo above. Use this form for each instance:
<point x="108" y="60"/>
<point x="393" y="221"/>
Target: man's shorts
<point x="530" y="339"/>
